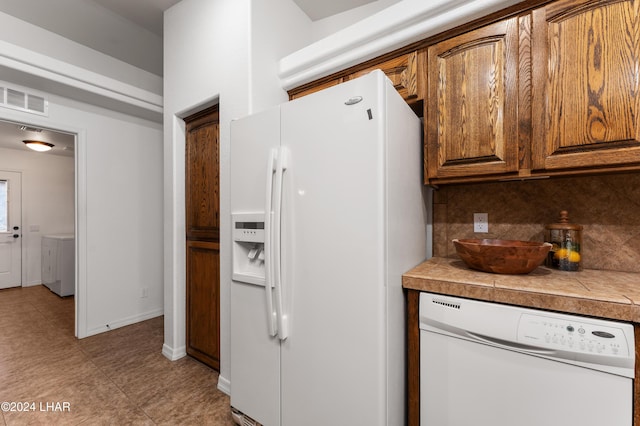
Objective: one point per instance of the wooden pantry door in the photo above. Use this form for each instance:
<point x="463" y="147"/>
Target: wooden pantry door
<point x="203" y="236"/>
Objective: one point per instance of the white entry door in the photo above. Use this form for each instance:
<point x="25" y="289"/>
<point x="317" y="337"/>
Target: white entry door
<point x="10" y="230"/>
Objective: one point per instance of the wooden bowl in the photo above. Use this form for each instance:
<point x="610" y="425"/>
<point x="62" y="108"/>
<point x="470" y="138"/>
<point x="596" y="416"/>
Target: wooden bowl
<point x="502" y="256"/>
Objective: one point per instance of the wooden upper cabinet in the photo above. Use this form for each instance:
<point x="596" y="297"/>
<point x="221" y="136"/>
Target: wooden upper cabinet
<point x="586" y="75"/>
<point x="307" y="90"/>
<point x="471" y="122"/>
<point x="552" y="88"/>
<point x="402" y="71"/>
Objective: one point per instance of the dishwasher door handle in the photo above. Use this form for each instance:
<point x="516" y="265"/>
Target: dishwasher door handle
<point x="504" y="344"/>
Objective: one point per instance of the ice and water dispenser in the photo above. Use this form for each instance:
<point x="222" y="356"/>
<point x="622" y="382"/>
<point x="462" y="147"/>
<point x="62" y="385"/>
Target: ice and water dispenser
<point x="248" y="247"/>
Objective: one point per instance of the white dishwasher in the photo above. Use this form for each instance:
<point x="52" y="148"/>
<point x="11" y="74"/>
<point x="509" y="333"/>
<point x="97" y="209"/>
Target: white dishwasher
<point x="487" y="364"/>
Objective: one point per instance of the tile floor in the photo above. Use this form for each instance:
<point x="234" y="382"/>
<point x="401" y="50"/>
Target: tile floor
<point x="115" y="378"/>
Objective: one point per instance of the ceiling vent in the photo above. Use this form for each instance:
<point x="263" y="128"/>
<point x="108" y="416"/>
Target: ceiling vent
<point x="21" y="100"/>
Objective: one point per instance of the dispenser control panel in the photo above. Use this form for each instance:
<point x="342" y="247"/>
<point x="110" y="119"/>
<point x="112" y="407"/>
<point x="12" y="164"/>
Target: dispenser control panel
<point x="248" y="248"/>
<point x="252" y="231"/>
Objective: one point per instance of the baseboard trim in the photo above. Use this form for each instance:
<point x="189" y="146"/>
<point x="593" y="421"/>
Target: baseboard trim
<point x="174" y="354"/>
<point x="125" y="321"/>
<point x="224" y="385"/>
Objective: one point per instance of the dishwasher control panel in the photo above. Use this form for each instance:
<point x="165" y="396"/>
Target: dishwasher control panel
<point x="572" y="334"/>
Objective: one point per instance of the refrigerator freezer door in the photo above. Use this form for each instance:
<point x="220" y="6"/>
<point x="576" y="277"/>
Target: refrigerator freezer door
<point x="255" y="366"/>
<point x="255" y="369"/>
<point x="333" y="362"/>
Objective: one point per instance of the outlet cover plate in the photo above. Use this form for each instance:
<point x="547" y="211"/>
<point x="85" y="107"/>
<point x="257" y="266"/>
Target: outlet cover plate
<point x="481" y="222"/>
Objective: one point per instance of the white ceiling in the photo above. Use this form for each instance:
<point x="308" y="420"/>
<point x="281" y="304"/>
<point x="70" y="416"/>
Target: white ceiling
<point x="319" y="9"/>
<point x="146" y="13"/>
<point x="11" y="137"/>
<point x="129" y="30"/>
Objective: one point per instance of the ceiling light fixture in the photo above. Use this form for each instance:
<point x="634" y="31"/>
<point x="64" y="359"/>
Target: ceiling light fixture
<point x="38" y="145"/>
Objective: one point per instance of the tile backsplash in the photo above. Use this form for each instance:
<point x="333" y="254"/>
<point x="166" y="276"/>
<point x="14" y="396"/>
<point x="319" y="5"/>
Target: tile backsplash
<point x="608" y="207"/>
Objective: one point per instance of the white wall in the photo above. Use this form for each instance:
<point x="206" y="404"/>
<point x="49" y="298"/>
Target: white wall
<point x="48" y="191"/>
<point x="124" y="217"/>
<point x="215" y="51"/>
<point x="277" y="29"/>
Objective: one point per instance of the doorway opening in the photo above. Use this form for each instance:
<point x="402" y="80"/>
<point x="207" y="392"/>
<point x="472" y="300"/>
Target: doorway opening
<point x="38" y="205"/>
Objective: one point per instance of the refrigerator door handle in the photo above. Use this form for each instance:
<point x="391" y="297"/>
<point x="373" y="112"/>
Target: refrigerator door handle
<point x="268" y="244"/>
<point x="281" y="166"/>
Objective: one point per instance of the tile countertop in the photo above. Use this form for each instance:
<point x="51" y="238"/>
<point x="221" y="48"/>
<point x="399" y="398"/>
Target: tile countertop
<point x="598" y="293"/>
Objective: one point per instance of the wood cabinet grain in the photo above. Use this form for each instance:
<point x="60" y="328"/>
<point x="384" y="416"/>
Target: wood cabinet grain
<point x="542" y="88"/>
<point x="202" y="176"/>
<point x="586" y="75"/>
<point x="202" y="211"/>
<point x="307" y="90"/>
<point x="550" y="91"/>
<point x="402" y="70"/>
<point x="203" y="302"/>
<point x="471" y="123"/>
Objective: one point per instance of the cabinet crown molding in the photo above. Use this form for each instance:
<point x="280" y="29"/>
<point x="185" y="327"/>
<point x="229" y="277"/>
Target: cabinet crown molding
<point x="402" y="23"/>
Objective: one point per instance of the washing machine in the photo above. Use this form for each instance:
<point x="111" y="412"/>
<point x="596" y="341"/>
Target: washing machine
<point x="58" y="264"/>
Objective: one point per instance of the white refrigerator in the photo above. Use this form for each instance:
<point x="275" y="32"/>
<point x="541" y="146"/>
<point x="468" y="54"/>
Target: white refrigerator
<point x="328" y="210"/>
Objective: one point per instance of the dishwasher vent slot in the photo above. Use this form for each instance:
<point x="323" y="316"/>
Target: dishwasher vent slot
<point x="446" y="303"/>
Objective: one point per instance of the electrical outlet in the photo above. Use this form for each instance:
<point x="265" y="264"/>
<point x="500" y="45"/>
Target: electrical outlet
<point x="481" y="222"/>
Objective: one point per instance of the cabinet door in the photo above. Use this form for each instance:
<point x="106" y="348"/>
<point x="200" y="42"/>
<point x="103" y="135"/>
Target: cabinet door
<point x="472" y="106"/>
<point x="202" y="175"/>
<point x="586" y="71"/>
<point x="202" y="213"/>
<point x="203" y="302"/>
